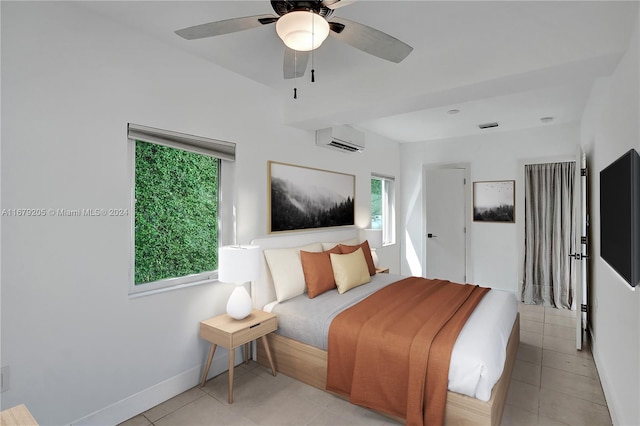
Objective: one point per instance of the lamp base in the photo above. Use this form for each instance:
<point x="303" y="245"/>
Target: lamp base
<point x="239" y="305"/>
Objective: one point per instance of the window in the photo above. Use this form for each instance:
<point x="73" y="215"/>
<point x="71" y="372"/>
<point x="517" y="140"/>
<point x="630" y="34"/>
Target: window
<point x="383" y="210"/>
<point x="175" y="204"/>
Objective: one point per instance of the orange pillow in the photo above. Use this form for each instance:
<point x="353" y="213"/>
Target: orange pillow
<point x="318" y="273"/>
<point x="367" y="254"/>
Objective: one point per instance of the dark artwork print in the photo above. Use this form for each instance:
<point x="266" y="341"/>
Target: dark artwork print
<point x="304" y="198"/>
<point x="494" y="201"/>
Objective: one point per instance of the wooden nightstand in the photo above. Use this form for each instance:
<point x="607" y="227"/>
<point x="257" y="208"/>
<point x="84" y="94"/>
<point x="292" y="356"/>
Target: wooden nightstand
<point x="17" y="416"/>
<point x="230" y="333"/>
<point x="382" y="270"/>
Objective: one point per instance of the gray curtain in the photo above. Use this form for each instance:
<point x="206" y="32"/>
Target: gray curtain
<point x="549" y="272"/>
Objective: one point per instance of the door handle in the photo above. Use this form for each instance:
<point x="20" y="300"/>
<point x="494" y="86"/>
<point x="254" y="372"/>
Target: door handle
<point x="579" y="256"/>
<point x="431" y="236"/>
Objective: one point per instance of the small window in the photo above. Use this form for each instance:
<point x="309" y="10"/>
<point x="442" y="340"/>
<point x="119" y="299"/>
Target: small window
<point x="383" y="209"/>
<point x="176" y="210"/>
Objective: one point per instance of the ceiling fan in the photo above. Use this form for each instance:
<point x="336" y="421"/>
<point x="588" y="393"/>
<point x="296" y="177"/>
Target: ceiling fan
<point x="303" y="26"/>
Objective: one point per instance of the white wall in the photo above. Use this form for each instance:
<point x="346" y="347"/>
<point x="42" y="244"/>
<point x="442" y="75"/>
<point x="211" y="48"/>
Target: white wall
<point x="78" y="348"/>
<point x="494" y="251"/>
<point x="610" y="127"/>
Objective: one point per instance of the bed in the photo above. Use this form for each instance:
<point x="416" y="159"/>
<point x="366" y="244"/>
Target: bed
<point x="299" y="348"/>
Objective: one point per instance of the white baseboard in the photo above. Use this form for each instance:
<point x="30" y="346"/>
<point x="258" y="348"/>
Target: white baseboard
<point x="148" y="398"/>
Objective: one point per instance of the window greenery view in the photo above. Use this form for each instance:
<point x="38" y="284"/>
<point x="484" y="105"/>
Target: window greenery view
<point x="376" y="204"/>
<point x="176" y="213"/>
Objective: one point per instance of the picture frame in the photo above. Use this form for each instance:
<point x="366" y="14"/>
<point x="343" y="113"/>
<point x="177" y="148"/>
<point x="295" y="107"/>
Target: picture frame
<point x="494" y="201"/>
<point x="303" y="198"/>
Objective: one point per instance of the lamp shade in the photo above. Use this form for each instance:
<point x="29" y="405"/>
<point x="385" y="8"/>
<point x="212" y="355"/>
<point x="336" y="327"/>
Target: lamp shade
<point x="302" y="30"/>
<point x="374" y="236"/>
<point x="238" y="264"/>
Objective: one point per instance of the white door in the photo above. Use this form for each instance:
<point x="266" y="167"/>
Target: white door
<point x="445" y="224"/>
<point x="581" y="255"/>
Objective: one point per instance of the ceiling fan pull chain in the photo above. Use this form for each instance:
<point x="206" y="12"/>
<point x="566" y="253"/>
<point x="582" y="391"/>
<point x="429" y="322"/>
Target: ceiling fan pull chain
<point x="295" y="73"/>
<point x="313" y="34"/>
<point x="313" y="71"/>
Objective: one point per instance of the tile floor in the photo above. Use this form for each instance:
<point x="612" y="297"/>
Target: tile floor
<point x="552" y="384"/>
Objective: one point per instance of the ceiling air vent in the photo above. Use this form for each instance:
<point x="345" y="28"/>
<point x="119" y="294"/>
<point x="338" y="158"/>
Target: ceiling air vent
<point x="488" y="125"/>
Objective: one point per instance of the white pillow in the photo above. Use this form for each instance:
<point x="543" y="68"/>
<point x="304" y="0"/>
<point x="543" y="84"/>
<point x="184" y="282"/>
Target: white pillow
<point x="329" y="246"/>
<point x="286" y="270"/>
<point x="349" y="270"/>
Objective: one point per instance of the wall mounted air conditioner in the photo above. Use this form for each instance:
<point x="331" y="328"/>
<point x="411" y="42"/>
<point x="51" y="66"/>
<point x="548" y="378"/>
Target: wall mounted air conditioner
<point x="342" y="138"/>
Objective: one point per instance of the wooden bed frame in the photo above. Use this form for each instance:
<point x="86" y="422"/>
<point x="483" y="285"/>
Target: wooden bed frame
<point x="308" y="364"/>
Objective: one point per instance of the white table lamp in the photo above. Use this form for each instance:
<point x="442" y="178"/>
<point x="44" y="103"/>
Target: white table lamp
<point x="374" y="237"/>
<point x="239" y="264"/>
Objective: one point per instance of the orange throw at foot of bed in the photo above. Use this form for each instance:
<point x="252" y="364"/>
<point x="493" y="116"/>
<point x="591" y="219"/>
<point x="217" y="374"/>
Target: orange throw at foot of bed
<point x="391" y="351"/>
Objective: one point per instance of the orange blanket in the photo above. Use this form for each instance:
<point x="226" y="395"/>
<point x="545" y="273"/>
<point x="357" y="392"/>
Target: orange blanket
<point x="391" y="351"/>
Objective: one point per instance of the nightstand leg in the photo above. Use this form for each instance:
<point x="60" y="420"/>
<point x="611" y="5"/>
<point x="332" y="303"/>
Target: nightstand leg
<point x="212" y="350"/>
<point x="232" y="356"/>
<point x="266" y="348"/>
<point x="246" y="353"/>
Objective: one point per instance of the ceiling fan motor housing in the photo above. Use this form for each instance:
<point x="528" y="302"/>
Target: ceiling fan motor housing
<point x="284" y="7"/>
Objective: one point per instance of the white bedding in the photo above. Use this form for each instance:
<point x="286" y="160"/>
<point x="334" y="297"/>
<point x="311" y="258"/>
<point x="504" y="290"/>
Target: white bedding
<point x="480" y="351"/>
<point x="478" y="355"/>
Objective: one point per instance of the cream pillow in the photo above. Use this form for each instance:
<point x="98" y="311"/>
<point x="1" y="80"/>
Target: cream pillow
<point x="286" y="270"/>
<point x="349" y="270"/>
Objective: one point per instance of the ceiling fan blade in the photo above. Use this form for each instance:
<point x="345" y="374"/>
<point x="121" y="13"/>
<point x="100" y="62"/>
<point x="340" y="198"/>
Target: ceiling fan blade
<point x="295" y="63"/>
<point x="225" y="27"/>
<point x="370" y="40"/>
<point x="335" y="4"/>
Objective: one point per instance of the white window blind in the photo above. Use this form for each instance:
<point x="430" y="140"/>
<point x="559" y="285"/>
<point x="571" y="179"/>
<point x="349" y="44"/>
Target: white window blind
<point x="206" y="146"/>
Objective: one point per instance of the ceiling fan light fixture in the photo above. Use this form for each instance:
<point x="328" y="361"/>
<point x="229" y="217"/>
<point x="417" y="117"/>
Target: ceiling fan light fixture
<point x="302" y="30"/>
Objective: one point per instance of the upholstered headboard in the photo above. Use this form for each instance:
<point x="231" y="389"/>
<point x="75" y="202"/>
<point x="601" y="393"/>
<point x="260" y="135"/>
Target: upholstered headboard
<point x="262" y="290"/>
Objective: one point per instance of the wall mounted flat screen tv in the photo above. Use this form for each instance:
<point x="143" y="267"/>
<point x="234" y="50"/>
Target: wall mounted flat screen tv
<point x="620" y="216"/>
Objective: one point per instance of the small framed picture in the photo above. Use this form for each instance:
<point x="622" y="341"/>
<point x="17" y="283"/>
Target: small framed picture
<point x="494" y="201"/>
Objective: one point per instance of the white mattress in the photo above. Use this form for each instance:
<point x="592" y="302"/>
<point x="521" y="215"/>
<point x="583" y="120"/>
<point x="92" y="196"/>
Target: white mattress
<point x="478" y="355"/>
